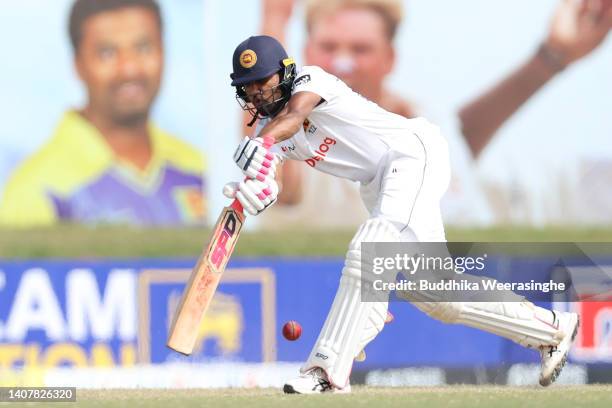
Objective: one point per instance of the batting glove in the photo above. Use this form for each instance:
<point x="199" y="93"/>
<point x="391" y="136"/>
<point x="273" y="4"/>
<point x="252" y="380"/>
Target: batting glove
<point x="254" y="195"/>
<point x="256" y="161"/>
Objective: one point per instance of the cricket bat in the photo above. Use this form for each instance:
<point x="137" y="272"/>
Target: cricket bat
<point x="205" y="277"/>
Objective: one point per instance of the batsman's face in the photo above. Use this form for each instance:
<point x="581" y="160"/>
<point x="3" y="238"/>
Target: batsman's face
<point x="353" y="45"/>
<point x="120" y="59"/>
<point x="264" y="92"/>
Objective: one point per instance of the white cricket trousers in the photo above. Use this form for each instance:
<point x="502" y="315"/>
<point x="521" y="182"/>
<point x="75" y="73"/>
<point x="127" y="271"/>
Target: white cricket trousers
<point x="409" y="184"/>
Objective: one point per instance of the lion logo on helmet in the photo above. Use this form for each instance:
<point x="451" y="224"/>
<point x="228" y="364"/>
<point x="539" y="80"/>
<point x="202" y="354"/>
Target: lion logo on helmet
<point x="248" y="58"/>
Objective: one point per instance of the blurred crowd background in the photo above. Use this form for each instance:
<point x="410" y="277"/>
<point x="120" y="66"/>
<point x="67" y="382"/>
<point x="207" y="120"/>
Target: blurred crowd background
<point x="123" y="112"/>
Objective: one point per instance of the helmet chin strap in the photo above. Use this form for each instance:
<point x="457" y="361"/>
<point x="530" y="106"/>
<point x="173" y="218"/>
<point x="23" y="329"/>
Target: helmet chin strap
<point x="255" y="117"/>
<point x="260" y="112"/>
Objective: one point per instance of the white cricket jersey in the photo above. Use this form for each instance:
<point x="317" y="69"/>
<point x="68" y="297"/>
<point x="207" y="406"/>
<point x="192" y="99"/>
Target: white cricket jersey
<point x="346" y="135"/>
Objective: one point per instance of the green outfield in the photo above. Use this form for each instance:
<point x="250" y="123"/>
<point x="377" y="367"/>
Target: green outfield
<point x="592" y="396"/>
<point x="122" y="242"/>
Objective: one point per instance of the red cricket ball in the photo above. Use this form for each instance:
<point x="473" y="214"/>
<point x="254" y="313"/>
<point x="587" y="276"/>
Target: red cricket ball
<point x="292" y="330"/>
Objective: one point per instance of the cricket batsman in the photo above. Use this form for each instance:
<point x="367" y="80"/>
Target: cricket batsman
<point x="403" y="168"/>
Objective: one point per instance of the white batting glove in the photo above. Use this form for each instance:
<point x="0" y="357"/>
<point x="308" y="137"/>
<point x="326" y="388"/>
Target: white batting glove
<point x="255" y="161"/>
<point x="254" y="195"/>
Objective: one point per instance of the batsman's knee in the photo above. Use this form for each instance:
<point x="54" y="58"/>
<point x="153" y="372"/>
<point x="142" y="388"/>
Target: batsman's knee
<point x="372" y="230"/>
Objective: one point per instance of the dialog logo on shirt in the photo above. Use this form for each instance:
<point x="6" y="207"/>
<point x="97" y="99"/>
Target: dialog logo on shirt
<point x="321" y="152"/>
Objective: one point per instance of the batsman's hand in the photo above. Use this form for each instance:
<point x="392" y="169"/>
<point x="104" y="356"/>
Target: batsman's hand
<point x="255" y="160"/>
<point x="254" y="195"/>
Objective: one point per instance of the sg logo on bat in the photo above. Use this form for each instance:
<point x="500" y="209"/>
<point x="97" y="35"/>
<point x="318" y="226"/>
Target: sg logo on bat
<point x="225" y="238"/>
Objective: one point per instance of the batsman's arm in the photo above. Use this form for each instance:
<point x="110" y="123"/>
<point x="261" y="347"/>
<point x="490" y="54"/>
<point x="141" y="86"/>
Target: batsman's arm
<point x="290" y="119"/>
<point x="287" y="123"/>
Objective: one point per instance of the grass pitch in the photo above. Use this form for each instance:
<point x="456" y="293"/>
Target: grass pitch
<point x="451" y="396"/>
<point x="70" y="241"/>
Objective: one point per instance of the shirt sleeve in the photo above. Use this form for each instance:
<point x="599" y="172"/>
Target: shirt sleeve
<point x="314" y="79"/>
<point x="276" y="149"/>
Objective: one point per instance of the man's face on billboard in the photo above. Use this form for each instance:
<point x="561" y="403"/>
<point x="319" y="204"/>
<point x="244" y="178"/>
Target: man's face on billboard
<point x="120" y="59"/>
<point x="353" y="44"/>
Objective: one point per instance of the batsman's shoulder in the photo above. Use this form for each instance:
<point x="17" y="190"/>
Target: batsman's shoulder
<point x="310" y="68"/>
<point x="312" y="72"/>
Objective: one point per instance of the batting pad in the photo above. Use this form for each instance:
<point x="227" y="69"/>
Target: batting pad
<point x="520" y="321"/>
<point x="351" y="323"/>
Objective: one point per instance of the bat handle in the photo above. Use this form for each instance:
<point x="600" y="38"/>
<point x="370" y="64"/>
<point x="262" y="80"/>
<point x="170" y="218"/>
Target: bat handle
<point x="237" y="206"/>
<point x="267" y="143"/>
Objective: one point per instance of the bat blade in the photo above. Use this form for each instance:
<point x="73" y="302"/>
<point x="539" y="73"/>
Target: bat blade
<point x="204" y="280"/>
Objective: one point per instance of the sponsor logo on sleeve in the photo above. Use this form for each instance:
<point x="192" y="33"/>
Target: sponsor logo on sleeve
<point x="309" y="127"/>
<point x="288" y="148"/>
<point x="304" y="79"/>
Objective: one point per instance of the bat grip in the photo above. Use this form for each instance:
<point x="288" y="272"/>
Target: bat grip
<point x="237" y="206"/>
<point x="267" y="143"/>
